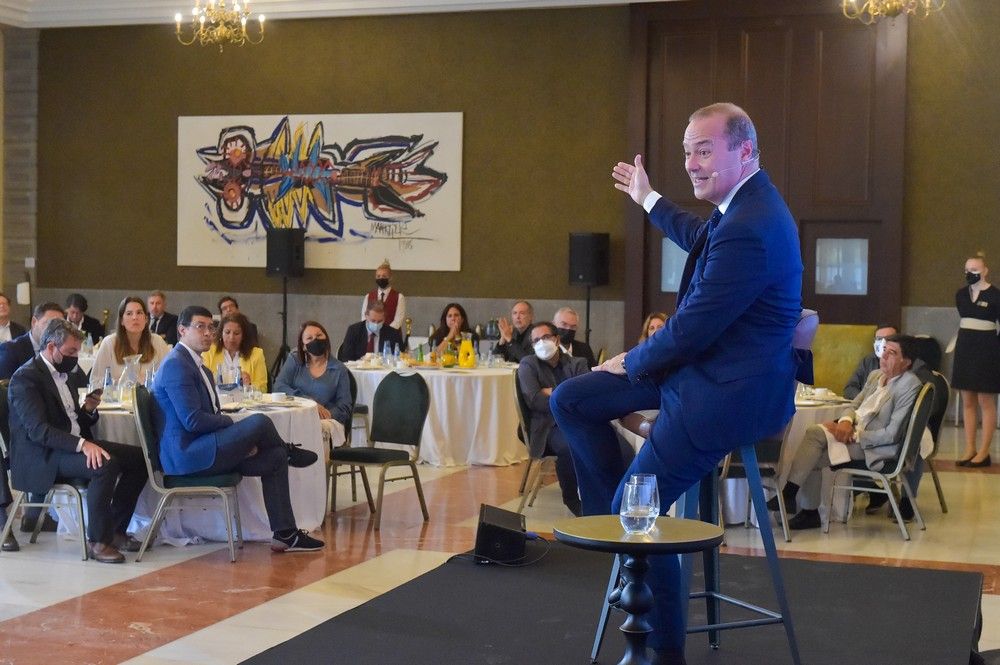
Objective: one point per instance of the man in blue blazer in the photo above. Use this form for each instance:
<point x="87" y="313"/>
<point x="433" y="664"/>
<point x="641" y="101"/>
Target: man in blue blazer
<point x="21" y="349"/>
<point x="722" y="369"/>
<point x="197" y="439"/>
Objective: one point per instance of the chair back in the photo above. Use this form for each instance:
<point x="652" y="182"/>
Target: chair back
<point x="942" y="393"/>
<point x="142" y="405"/>
<point x="400" y="407"/>
<point x="523" y="413"/>
<point x="919" y="415"/>
<point x="4" y="419"/>
<point x="354" y="400"/>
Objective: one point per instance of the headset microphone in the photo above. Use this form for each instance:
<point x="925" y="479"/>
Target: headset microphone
<point x="715" y="174"/>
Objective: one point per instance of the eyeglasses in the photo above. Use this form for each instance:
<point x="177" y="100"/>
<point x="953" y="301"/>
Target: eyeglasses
<point x="543" y="338"/>
<point x="202" y="327"/>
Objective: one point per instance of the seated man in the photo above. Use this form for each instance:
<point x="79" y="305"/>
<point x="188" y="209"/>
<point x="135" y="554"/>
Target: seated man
<point x="538" y="374"/>
<point x="228" y="305"/>
<point x="871" y="429"/>
<point x="515" y="337"/>
<point x="869" y="363"/>
<point x="21" y="349"/>
<point x="51" y="441"/>
<point x="196" y="439"/>
<point x="8" y="329"/>
<point x="161" y="322"/>
<point x="76" y="313"/>
<point x="566" y="320"/>
<point x="370" y="335"/>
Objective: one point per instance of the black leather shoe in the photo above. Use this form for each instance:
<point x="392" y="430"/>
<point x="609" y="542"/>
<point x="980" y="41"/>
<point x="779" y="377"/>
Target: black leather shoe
<point x="48" y="524"/>
<point x="875" y="502"/>
<point x="979" y="465"/>
<point x="905" y="511"/>
<point x="10" y="544"/>
<point x="805" y="519"/>
<point x="126" y="543"/>
<point x="300" y="457"/>
<point x="772" y="504"/>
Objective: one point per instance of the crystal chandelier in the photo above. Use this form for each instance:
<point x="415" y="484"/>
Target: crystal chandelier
<point x="869" y="11"/>
<point x="214" y="23"/>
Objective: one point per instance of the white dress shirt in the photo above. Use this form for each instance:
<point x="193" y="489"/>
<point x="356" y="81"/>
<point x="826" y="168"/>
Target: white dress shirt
<point x="67" y="401"/>
<point x="204" y="377"/>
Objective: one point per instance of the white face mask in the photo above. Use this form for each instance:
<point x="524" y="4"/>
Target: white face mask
<point x="545" y="349"/>
<point x="879" y="346"/>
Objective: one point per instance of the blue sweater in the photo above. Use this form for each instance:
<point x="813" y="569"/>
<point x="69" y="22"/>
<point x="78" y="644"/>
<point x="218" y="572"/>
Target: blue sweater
<point x="332" y="389"/>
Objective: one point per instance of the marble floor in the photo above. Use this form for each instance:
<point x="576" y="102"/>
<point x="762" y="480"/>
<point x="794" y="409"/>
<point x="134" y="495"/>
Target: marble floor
<point x="191" y="605"/>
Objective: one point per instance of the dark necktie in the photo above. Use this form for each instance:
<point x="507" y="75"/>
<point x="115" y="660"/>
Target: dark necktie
<point x="211" y="382"/>
<point x="381" y="296"/>
<point x="155" y="322"/>
<point x="371" y="343"/>
<point x="696" y="251"/>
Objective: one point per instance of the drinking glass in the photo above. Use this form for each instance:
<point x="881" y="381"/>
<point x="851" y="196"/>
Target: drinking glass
<point x="640" y="504"/>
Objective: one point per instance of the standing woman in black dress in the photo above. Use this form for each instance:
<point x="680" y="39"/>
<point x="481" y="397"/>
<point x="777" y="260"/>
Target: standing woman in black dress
<point x="976" y="371"/>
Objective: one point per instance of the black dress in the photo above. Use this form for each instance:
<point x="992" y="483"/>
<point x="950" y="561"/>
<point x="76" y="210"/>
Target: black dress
<point x="977" y="352"/>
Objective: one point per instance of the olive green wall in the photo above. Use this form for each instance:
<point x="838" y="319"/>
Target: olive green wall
<point x="544" y="98"/>
<point x="952" y="205"/>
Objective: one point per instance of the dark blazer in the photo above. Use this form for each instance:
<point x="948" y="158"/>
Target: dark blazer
<point x="355" y="342"/>
<point x="16" y="329"/>
<point x="92" y="327"/>
<point x="581" y="349"/>
<point x="724" y="361"/>
<point x="167" y="326"/>
<point x="519" y="346"/>
<point x="534" y="374"/>
<point x="184" y="417"/>
<point x="15" y="353"/>
<point x="39" y="426"/>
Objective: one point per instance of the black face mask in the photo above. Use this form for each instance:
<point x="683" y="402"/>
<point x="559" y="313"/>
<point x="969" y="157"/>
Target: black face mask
<point x="66" y="365"/>
<point x="972" y="277"/>
<point x="566" y="336"/>
<point x="382" y="283"/>
<point x="317" y="347"/>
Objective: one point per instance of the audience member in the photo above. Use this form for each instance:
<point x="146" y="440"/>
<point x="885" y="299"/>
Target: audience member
<point x="23" y="348"/>
<point x="76" y="313"/>
<point x="132" y="337"/>
<point x="566" y="320"/>
<point x="976" y="369"/>
<point x="515" y="335"/>
<point x="233" y="350"/>
<point x="196" y="439"/>
<point x="538" y="374"/>
<point x="228" y="306"/>
<point x="8" y="329"/>
<point x="393" y="300"/>
<point x="869" y="363"/>
<point x="453" y="323"/>
<point x="313" y="372"/>
<point x="653" y="322"/>
<point x="161" y="322"/>
<point x="51" y="440"/>
<point x="867" y="435"/>
<point x="370" y="335"/>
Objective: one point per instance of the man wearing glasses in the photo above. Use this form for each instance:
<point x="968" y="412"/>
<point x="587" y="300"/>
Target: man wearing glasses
<point x="869" y="363"/>
<point x="197" y="439"/>
<point x="538" y="374"/>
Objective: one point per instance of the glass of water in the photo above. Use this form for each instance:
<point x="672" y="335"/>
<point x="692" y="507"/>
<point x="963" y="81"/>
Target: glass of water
<point x="640" y="504"/>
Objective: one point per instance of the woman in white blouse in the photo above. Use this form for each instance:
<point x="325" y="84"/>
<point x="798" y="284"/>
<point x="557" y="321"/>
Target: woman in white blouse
<point x="132" y="337"/>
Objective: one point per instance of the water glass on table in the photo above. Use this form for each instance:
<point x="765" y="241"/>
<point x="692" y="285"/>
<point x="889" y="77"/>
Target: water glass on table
<point x="640" y="504"/>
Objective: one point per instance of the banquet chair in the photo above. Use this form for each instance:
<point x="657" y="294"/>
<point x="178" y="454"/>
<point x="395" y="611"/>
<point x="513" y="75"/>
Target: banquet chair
<point x="356" y="411"/>
<point x="70" y="488"/>
<point x="168" y="487"/>
<point x="399" y="409"/>
<point x="895" y="477"/>
<point x="942" y="393"/>
<point x="531" y="482"/>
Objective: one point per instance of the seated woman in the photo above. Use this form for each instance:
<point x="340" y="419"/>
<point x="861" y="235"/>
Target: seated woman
<point x="454" y="322"/>
<point x="311" y="371"/>
<point x="132" y="337"/>
<point x="233" y="350"/>
<point x="653" y="322"/>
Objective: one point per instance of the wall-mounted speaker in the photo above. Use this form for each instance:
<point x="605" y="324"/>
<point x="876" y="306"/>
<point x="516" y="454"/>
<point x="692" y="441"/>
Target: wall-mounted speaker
<point x="588" y="258"/>
<point x="286" y="252"/>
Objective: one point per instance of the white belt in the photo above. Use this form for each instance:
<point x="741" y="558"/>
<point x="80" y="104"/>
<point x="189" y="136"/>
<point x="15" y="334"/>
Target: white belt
<point x="969" y="323"/>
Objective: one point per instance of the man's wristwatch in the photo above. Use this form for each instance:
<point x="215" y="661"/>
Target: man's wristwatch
<point x="623" y="365"/>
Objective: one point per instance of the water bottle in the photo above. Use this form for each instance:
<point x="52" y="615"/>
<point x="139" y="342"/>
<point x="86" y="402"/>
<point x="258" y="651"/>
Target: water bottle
<point x="420" y="354"/>
<point x="387" y="355"/>
<point x="150" y="377"/>
<point x="109" y="386"/>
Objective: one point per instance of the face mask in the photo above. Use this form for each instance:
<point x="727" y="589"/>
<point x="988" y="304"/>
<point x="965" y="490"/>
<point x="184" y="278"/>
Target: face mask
<point x="545" y="349"/>
<point x="373" y="328"/>
<point x="879" y="346"/>
<point x="566" y="335"/>
<point x="971" y="277"/>
<point x="382" y="283"/>
<point x="66" y="365"/>
<point x="317" y="347"/>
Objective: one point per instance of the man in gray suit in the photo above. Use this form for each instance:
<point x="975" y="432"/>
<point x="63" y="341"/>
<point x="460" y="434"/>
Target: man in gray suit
<point x="871" y="428"/>
<point x="538" y="374"/>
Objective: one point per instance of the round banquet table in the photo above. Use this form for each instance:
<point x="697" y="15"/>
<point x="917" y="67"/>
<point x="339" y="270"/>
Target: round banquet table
<point x="472" y="417"/>
<point x="201" y="518"/>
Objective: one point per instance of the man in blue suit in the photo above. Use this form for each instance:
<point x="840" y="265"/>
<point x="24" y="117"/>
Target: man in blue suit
<point x="197" y="439"/>
<point x="722" y="370"/>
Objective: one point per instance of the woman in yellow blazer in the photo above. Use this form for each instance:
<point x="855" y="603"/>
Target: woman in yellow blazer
<point x="232" y="350"/>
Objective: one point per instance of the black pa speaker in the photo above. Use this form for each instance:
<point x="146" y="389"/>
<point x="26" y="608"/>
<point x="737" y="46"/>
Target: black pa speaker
<point x="286" y="252"/>
<point x="588" y="258"/>
<point x="500" y="536"/>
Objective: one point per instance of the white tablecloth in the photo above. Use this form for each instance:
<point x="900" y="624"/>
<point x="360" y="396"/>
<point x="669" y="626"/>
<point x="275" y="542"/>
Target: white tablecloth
<point x="472" y="417"/>
<point x="201" y="518"/>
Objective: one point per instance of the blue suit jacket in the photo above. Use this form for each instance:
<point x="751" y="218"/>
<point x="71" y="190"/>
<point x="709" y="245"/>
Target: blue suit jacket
<point x="184" y="415"/>
<point x="15" y="353"/>
<point x="724" y="362"/>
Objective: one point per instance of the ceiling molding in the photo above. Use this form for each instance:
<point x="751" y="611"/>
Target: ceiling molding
<point x="74" y="13"/>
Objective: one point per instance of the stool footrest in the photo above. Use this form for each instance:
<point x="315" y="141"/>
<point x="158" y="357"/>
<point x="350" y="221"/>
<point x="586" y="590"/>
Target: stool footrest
<point x="772" y="617"/>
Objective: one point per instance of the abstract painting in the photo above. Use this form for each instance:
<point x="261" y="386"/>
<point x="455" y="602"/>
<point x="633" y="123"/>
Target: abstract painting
<point x="364" y="187"/>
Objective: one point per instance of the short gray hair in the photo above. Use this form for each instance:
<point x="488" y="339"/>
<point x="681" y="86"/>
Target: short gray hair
<point x="565" y="310"/>
<point x="739" y="126"/>
<point x="57" y="331"/>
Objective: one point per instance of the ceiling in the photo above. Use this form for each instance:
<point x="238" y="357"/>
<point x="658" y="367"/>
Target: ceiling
<point x="67" y="13"/>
